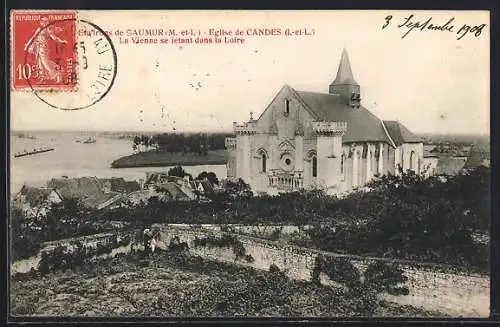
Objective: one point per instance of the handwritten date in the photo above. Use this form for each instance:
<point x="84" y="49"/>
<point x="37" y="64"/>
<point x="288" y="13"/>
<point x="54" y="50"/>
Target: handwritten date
<point x="410" y="24"/>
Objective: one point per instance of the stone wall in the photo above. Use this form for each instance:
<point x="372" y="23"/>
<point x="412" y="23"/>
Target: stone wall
<point x="25" y="265"/>
<point x="431" y="286"/>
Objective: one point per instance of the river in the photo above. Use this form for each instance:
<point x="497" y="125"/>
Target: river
<point x="74" y="159"/>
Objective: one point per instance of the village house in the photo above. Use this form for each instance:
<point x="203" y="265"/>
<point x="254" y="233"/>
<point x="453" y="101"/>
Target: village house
<point x="119" y="185"/>
<point x="89" y="190"/>
<point x="165" y="187"/>
<point x="446" y="164"/>
<point x="204" y="189"/>
<point x="36" y="201"/>
<point x="320" y="140"/>
<point x="480" y="155"/>
<point x="168" y="187"/>
<point x="449" y="166"/>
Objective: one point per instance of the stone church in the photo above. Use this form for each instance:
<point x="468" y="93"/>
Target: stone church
<point x="307" y="140"/>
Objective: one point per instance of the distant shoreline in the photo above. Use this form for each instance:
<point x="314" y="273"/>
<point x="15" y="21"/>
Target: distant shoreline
<point x="165" y="159"/>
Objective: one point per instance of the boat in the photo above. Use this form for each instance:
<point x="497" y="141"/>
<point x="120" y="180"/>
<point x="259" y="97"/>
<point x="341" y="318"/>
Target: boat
<point x="34" y="151"/>
<point x="26" y="136"/>
<point x="90" y="140"/>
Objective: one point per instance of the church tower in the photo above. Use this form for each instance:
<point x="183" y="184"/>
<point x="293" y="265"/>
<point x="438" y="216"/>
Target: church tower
<point x="344" y="84"/>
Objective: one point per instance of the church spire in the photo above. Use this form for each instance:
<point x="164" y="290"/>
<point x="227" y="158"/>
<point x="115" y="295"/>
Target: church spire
<point x="344" y="74"/>
<point x="344" y="83"/>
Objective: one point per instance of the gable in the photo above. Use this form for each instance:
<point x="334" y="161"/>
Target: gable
<point x="277" y="120"/>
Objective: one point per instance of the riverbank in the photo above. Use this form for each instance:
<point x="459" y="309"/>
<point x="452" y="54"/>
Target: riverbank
<point x="162" y="159"/>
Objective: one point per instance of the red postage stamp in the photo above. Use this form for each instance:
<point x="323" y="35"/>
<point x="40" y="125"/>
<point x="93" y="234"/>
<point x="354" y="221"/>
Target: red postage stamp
<point x="43" y="53"/>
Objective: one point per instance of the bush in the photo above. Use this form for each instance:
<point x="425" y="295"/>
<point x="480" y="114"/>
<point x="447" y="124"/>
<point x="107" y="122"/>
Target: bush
<point x="273" y="269"/>
<point x="102" y="249"/>
<point x="177" y="246"/>
<point x="64" y="220"/>
<point x="26" y="240"/>
<point x="227" y="241"/>
<point x="384" y="277"/>
<point x="338" y="269"/>
<point x="277" y="275"/>
<point x="124" y="241"/>
<point x="275" y="235"/>
<point x="73" y="256"/>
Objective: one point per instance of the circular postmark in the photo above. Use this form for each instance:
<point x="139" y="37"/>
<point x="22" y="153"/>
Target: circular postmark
<point x="84" y="68"/>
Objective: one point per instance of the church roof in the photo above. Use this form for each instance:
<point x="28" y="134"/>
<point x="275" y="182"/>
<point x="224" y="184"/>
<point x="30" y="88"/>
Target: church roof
<point x="399" y="133"/>
<point x="362" y="125"/>
<point x="344" y="73"/>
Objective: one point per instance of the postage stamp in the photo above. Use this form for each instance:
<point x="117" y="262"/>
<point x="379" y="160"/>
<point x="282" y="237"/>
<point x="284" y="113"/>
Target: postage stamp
<point x="43" y="52"/>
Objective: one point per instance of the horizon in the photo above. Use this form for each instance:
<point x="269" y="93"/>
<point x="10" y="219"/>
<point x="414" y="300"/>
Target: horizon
<point x="201" y="131"/>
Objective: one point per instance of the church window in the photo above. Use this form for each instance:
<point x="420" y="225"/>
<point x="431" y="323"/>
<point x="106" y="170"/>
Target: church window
<point x="287" y="107"/>
<point x="264" y="162"/>
<point x="314" y="166"/>
<point x="412" y="161"/>
<point x="342" y="160"/>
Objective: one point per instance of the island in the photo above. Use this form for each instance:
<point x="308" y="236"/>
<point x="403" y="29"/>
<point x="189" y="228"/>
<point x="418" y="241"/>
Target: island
<point x="155" y="158"/>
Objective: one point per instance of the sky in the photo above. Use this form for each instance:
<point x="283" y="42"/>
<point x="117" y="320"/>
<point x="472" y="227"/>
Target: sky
<point x="428" y="80"/>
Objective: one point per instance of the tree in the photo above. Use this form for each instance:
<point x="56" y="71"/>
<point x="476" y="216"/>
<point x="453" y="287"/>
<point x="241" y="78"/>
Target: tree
<point x="26" y="240"/>
<point x="179" y="172"/>
<point x="68" y="218"/>
<point x="238" y="189"/>
<point x="211" y="177"/>
<point x="412" y="217"/>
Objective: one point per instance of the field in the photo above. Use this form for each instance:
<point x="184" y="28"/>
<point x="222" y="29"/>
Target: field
<point x="178" y="285"/>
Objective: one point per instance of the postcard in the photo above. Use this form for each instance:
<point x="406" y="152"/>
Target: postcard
<point x="247" y="164"/>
